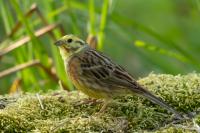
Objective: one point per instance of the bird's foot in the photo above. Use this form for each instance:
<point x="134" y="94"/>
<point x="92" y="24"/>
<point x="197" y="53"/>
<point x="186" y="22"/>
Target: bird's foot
<point x="88" y="101"/>
<point x="102" y="110"/>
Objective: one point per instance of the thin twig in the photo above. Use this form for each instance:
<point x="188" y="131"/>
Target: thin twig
<point x="45" y="22"/>
<point x="61" y="28"/>
<point x="15" y="86"/>
<point x="26" y="39"/>
<point x="61" y="124"/>
<point x="40" y="101"/>
<point x="18" y="68"/>
<point x="29" y="64"/>
<point x="34" y="8"/>
<point x="60" y="84"/>
<point x="53" y="75"/>
<point x="19" y="24"/>
<point x="92" y="41"/>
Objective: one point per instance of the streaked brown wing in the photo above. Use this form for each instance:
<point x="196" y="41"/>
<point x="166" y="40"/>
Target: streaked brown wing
<point x="105" y="71"/>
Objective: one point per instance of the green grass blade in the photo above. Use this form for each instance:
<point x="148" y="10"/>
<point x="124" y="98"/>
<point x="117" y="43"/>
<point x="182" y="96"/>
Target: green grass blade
<point x="92" y="17"/>
<point x="104" y="14"/>
<point x="198" y="4"/>
<point x="24" y="21"/>
<point x="26" y="53"/>
<point x="156" y="49"/>
<point x="6" y="16"/>
<point x="130" y="22"/>
<point x="153" y="48"/>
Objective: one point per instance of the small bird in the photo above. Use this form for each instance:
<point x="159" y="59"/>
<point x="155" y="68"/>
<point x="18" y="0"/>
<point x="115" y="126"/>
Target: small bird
<point x="98" y="76"/>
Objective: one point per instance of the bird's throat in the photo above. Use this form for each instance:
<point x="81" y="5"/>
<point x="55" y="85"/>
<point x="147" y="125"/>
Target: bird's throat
<point x="64" y="52"/>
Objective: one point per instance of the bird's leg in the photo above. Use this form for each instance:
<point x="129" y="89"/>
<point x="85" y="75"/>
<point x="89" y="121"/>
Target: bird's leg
<point x="103" y="108"/>
<point x="89" y="101"/>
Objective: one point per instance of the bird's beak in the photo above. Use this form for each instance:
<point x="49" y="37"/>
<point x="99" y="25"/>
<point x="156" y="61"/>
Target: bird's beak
<point x="59" y="43"/>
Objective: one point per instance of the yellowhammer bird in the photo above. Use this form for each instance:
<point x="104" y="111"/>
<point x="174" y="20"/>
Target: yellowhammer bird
<point x="98" y="76"/>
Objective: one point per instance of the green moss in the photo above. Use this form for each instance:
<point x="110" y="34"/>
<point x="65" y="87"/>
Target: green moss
<point x="125" y="114"/>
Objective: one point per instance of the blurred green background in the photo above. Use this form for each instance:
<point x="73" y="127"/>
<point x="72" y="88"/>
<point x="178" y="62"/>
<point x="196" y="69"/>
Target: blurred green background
<point x="162" y="36"/>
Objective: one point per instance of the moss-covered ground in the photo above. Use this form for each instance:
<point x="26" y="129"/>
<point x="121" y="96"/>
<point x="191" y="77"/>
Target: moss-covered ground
<point x="63" y="111"/>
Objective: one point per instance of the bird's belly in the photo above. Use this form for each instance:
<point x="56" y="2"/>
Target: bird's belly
<point x="91" y="92"/>
<point x="87" y="87"/>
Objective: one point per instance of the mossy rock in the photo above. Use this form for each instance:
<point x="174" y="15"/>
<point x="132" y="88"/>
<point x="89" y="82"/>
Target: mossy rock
<point x="63" y="111"/>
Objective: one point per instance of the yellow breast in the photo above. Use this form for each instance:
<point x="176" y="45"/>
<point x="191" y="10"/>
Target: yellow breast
<point x="74" y="72"/>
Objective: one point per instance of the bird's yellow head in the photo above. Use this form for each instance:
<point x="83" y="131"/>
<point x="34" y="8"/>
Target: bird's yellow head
<point x="70" y="44"/>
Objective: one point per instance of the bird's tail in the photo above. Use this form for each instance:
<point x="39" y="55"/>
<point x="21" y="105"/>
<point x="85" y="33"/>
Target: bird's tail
<point x="156" y="100"/>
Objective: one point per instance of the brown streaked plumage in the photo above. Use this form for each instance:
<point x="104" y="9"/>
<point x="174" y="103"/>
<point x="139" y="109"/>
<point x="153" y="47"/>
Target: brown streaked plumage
<point x="98" y="76"/>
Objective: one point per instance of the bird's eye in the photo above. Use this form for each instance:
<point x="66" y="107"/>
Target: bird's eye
<point x="69" y="40"/>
